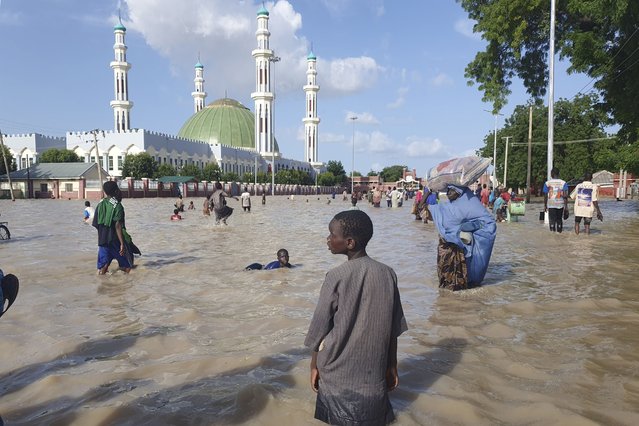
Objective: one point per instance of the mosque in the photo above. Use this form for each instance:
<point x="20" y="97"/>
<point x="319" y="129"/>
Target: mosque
<point x="223" y="132"/>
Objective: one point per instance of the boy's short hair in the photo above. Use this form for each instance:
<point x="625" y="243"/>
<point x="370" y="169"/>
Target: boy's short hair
<point x="176" y="211"/>
<point x="87" y="204"/>
<point x="110" y="188"/>
<point x="357" y="225"/>
<point x="283" y="251"/>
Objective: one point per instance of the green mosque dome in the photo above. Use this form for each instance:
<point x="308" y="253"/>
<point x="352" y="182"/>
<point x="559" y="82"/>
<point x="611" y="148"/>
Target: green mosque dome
<point x="311" y="56"/>
<point x="262" y="11"/>
<point x="119" y="26"/>
<point x="224" y="121"/>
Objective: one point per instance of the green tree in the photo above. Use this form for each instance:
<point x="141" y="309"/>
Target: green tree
<point x="372" y="173"/>
<point x="392" y="173"/>
<point x="597" y="37"/>
<point x="230" y="177"/>
<point x="140" y="165"/>
<point x="191" y="170"/>
<point x="248" y="177"/>
<point x="263" y="177"/>
<point x="211" y="172"/>
<point x="326" y="179"/>
<point x="10" y="161"/>
<point x="165" y="169"/>
<point x="356" y="173"/>
<point x="55" y="155"/>
<point x="575" y="120"/>
<point x="336" y="169"/>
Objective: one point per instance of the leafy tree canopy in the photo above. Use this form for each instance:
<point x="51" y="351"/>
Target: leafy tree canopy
<point x="372" y="173"/>
<point x="326" y="179"/>
<point x="336" y="169"/>
<point x="140" y="165"/>
<point x="165" y="169"/>
<point x="10" y="161"/>
<point x="191" y="170"/>
<point x="55" y="155"/>
<point x="211" y="172"/>
<point x="575" y="121"/>
<point x="392" y="173"/>
<point x="598" y="38"/>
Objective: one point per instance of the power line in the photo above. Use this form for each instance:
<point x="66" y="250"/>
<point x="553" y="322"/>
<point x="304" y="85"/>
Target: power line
<point x="610" y="62"/>
<point x="564" y="142"/>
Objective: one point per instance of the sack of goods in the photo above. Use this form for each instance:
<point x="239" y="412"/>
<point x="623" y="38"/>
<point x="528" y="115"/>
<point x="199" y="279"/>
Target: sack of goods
<point x="462" y="171"/>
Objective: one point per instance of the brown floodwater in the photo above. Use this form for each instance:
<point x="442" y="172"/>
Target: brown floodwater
<point x="188" y="337"/>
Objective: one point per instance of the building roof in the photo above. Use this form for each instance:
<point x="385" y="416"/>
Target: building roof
<point x="177" y="179"/>
<point x="262" y="11"/>
<point x="199" y="65"/>
<point x="54" y="171"/>
<point x="119" y="26"/>
<point x="225" y="122"/>
<point x="311" y="56"/>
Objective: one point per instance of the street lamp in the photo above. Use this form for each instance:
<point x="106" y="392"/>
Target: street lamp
<point x="494" y="179"/>
<point x="273" y="59"/>
<point x="353" y="118"/>
<point x="506" y="159"/>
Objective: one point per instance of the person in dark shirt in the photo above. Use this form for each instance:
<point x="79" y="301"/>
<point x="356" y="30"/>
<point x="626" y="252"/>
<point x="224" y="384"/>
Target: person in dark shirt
<point x="109" y="221"/>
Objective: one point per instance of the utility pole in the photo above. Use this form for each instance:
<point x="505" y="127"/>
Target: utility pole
<point x="95" y="132"/>
<point x="506" y="160"/>
<point x="551" y="88"/>
<point x="6" y="167"/>
<point x="353" y="159"/>
<point x="529" y="155"/>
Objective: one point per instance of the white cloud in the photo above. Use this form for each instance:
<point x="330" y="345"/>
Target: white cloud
<point x="441" y="80"/>
<point x="362" y="118"/>
<point x="223" y="32"/>
<point x="427" y="147"/>
<point x="381" y="143"/>
<point x="401" y="98"/>
<point x="465" y="28"/>
<point x="328" y="137"/>
<point x="380" y="10"/>
<point x="336" y="7"/>
<point x="349" y="75"/>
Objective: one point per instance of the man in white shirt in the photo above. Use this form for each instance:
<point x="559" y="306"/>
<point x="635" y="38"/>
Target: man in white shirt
<point x="246" y="200"/>
<point x="586" y="196"/>
<point x="556" y="201"/>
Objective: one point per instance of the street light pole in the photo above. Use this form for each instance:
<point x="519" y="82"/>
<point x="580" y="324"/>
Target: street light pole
<point x="273" y="59"/>
<point x="551" y="88"/>
<point x="353" y="159"/>
<point x="494" y="179"/>
<point x="94" y="132"/>
<point x="506" y="160"/>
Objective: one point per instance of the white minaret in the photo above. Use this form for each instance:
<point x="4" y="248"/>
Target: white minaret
<point x="121" y="105"/>
<point x="311" y="120"/>
<point x="199" y="95"/>
<point x="263" y="97"/>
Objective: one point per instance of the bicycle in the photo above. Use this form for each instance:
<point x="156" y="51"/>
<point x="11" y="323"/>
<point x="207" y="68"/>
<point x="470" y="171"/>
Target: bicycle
<point x="4" y="231"/>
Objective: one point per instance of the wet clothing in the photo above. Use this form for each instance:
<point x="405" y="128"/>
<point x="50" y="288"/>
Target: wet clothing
<point x="467" y="214"/>
<point x="585" y="195"/>
<point x="358" y="312"/>
<point x="557" y="191"/>
<point x="107" y="213"/>
<point x="451" y="266"/>
<point x="218" y="205"/>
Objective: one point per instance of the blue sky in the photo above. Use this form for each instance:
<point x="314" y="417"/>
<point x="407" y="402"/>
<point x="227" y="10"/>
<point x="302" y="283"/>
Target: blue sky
<point x="396" y="65"/>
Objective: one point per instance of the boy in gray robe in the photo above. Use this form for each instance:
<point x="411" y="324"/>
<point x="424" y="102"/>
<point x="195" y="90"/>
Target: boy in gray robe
<point x="354" y="330"/>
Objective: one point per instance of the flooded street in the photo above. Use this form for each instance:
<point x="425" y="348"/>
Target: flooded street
<point x="188" y="337"/>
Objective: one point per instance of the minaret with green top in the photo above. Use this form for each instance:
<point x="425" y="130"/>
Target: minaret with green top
<point x="121" y="104"/>
<point x="199" y="95"/>
<point x="311" y="120"/>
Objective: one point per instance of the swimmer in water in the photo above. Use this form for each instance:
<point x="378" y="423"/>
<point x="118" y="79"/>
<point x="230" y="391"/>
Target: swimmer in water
<point x="281" y="262"/>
